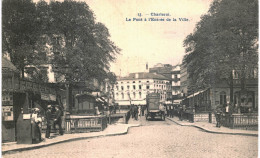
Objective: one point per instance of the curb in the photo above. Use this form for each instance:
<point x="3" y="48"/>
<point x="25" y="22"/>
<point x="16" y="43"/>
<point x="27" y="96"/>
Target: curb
<point x="65" y="141"/>
<point x="209" y="131"/>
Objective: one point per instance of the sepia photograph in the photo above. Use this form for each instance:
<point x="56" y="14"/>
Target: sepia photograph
<point x="129" y="78"/>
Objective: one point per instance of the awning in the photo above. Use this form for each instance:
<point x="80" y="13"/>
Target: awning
<point x="196" y="93"/>
<point x="135" y="102"/>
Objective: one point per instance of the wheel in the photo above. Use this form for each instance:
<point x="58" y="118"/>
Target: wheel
<point x="152" y="117"/>
<point x="163" y="117"/>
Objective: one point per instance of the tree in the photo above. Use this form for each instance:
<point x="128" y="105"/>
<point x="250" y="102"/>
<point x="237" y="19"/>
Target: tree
<point x="82" y="48"/>
<point x="20" y="35"/>
<point x="225" y="39"/>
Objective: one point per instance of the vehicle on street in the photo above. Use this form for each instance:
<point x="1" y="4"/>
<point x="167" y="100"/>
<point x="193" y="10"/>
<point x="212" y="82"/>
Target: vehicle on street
<point x="154" y="107"/>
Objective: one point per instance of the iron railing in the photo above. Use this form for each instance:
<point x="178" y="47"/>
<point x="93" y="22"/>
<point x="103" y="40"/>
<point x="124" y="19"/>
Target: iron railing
<point x="240" y="121"/>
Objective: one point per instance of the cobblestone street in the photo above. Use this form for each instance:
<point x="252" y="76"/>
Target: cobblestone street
<point x="153" y="139"/>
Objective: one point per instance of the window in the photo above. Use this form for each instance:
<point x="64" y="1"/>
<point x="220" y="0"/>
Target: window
<point x="122" y="95"/>
<point x="121" y="82"/>
<point x="139" y="81"/>
<point x="122" y="87"/>
<point x="133" y="81"/>
<point x="236" y="75"/>
<point x="140" y="95"/>
<point x="134" y="95"/>
<point x="175" y="76"/>
<point x="140" y="86"/>
<point x="116" y="87"/>
<point x="223" y="98"/>
<point x="133" y="86"/>
<point x="128" y="87"/>
<point x="147" y="87"/>
<point x="147" y="81"/>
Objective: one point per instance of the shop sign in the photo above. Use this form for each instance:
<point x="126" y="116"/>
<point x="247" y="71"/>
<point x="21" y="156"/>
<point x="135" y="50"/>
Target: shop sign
<point x="8" y="114"/>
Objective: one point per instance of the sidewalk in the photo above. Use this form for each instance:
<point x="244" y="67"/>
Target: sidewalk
<point x="211" y="128"/>
<point x="111" y="130"/>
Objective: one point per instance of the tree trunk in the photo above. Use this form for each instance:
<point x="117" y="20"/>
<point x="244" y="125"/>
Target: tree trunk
<point x="231" y="89"/>
<point x="22" y="73"/>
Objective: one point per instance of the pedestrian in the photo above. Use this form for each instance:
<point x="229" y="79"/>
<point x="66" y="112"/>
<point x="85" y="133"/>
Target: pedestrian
<point x="133" y="111"/>
<point x="136" y="112"/>
<point x="170" y="111"/>
<point x="36" y="121"/>
<point x="57" y="119"/>
<point x="180" y="113"/>
<point x="139" y="111"/>
<point x="49" y="121"/>
<point x="218" y="115"/>
<point x="143" y="108"/>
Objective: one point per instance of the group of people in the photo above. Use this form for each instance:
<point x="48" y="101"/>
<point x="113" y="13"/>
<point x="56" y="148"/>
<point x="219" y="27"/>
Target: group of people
<point x="170" y="111"/>
<point x="53" y="118"/>
<point x="56" y="120"/>
<point x="179" y="109"/>
<point x="222" y="110"/>
<point x="136" y="111"/>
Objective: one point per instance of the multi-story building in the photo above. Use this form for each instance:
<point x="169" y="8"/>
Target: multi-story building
<point x="134" y="88"/>
<point x="173" y="74"/>
<point x="176" y="83"/>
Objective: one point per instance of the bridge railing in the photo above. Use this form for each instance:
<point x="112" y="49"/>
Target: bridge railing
<point x="78" y="124"/>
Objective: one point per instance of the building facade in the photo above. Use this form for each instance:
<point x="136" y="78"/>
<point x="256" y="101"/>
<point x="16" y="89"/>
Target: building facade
<point x="173" y="74"/>
<point x="134" y="88"/>
<point x="244" y="101"/>
<point x="176" y="83"/>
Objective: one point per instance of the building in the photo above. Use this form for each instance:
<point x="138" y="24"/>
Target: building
<point x="219" y="93"/>
<point x="19" y="97"/>
<point x="176" y="83"/>
<point x="173" y="74"/>
<point x="184" y="79"/>
<point x="134" y="88"/>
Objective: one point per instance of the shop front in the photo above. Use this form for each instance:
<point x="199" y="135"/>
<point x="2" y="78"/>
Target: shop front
<point x="19" y="98"/>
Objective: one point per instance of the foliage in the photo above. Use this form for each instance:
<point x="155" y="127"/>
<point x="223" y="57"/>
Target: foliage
<point x="20" y="33"/>
<point x="225" y="39"/>
<point x="82" y="48"/>
<point x="64" y="34"/>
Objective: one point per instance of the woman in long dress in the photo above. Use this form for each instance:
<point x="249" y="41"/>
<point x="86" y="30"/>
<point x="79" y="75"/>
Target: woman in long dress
<point x="36" y="121"/>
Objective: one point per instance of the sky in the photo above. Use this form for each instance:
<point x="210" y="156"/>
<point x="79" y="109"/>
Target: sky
<point x="149" y="42"/>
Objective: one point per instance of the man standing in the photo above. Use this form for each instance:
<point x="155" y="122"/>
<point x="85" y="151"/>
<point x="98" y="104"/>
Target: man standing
<point x="58" y="119"/>
<point x="218" y="115"/>
<point x="48" y="118"/>
<point x="136" y="112"/>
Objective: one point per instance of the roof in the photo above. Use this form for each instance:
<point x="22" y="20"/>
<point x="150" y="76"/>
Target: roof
<point x="8" y="65"/>
<point x="143" y="75"/>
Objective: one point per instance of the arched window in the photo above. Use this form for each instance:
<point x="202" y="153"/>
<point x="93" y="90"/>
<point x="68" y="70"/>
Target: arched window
<point x="223" y="97"/>
<point x="122" y="95"/>
<point x="140" y="95"/>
